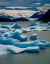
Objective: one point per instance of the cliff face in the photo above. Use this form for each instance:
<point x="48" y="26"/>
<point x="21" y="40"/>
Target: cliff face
<point x="46" y="17"/>
<point x="37" y="15"/>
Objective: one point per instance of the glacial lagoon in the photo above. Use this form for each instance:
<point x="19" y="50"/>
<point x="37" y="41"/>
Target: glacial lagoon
<point x="29" y="58"/>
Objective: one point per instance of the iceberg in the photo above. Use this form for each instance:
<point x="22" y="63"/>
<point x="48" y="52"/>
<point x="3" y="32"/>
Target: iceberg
<point x="28" y="30"/>
<point x="24" y="30"/>
<point x="4" y="49"/>
<point x="16" y="26"/>
<point x="11" y="23"/>
<point x="41" y="45"/>
<point x="48" y="23"/>
<point x="22" y="44"/>
<point x="17" y="35"/>
<point x="14" y="46"/>
<point x="18" y="30"/>
<point x="38" y="28"/>
<point x="33" y="24"/>
<point x="36" y="24"/>
<point x="2" y="30"/>
<point x="47" y="43"/>
<point x="48" y="27"/>
<point x="33" y="37"/>
<point x="40" y="24"/>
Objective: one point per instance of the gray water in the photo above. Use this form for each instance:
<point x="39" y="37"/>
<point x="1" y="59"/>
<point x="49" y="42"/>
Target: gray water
<point x="29" y="58"/>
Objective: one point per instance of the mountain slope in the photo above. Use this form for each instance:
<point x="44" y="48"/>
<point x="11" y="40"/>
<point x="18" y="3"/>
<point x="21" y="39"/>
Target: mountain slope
<point x="37" y="14"/>
<point x="46" y="17"/>
<point x="6" y="18"/>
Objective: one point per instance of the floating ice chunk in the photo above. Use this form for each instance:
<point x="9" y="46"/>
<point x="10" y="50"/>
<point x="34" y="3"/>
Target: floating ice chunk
<point x="37" y="24"/>
<point x="0" y="25"/>
<point x="2" y="30"/>
<point x="4" y="26"/>
<point x="48" y="44"/>
<point x="34" y="49"/>
<point x="18" y="50"/>
<point x="33" y="24"/>
<point x="28" y="29"/>
<point x="41" y="45"/>
<point x="7" y="34"/>
<point x="33" y="37"/>
<point x="14" y="49"/>
<point x="31" y="43"/>
<point x="38" y="28"/>
<point x="23" y="44"/>
<point x="5" y="41"/>
<point x="24" y="30"/>
<point x="16" y="26"/>
<point x="33" y="27"/>
<point x="11" y="23"/>
<point x="17" y="35"/>
<point x="43" y="41"/>
<point x="4" y="49"/>
<point x="17" y="43"/>
<point x="48" y="27"/>
<point x="18" y="30"/>
<point x="48" y="23"/>
<point x="40" y="24"/>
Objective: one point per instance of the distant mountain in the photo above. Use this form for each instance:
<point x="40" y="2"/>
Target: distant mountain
<point x="46" y="17"/>
<point x="6" y="18"/>
<point x="20" y="19"/>
<point x="38" y="14"/>
<point x="4" y="15"/>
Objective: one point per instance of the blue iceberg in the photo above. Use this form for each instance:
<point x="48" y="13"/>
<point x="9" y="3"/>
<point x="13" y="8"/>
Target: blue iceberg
<point x="3" y="30"/>
<point x="33" y="37"/>
<point x="24" y="30"/>
<point x="13" y="46"/>
<point x="16" y="26"/>
<point x="33" y="24"/>
<point x="11" y="23"/>
<point x="47" y="43"/>
<point x="48" y="27"/>
<point x="17" y="35"/>
<point x="48" y="23"/>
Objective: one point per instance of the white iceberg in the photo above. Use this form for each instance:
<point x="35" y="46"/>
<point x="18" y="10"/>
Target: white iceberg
<point x="4" y="49"/>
